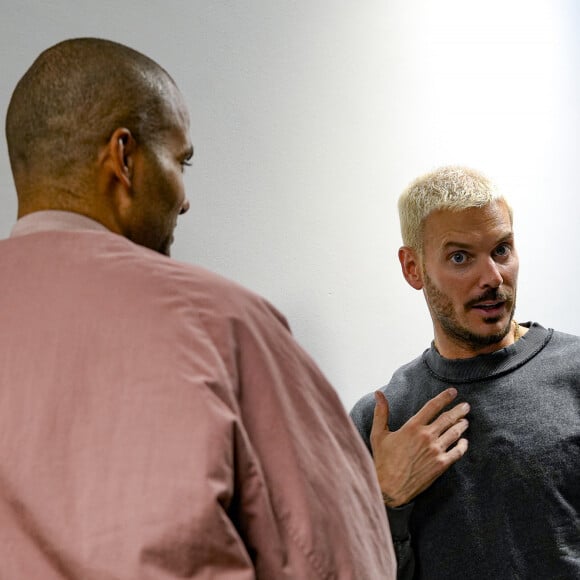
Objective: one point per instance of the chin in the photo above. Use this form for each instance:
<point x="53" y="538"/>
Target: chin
<point x="494" y="335"/>
<point x="501" y="322"/>
<point x="475" y="337"/>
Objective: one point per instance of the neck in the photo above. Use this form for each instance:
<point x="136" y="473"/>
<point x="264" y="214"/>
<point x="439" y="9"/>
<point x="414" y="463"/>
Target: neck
<point x="81" y="205"/>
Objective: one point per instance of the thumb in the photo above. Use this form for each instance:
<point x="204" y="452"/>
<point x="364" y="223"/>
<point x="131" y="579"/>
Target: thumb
<point x="380" y="418"/>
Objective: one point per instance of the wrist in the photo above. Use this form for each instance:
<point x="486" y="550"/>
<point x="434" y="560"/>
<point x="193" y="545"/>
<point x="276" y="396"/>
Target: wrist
<point x="392" y="501"/>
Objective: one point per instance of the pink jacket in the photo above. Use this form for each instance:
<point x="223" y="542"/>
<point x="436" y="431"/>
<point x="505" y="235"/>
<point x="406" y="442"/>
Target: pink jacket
<point x="158" y="421"/>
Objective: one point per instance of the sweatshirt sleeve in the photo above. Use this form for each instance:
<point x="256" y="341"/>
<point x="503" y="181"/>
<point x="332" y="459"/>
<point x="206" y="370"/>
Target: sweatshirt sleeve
<point x="362" y="416"/>
<point x="399" y="523"/>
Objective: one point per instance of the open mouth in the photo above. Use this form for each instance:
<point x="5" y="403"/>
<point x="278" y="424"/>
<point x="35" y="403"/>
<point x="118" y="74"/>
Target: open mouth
<point x="489" y="307"/>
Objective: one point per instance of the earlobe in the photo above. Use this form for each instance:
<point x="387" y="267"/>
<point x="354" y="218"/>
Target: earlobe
<point x="411" y="267"/>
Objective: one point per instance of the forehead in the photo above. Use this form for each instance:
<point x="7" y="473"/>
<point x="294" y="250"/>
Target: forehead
<point x="176" y="115"/>
<point x="471" y="227"/>
<point x="179" y="107"/>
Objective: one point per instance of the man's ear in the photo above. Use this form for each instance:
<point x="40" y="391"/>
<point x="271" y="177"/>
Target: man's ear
<point x="120" y="151"/>
<point x="411" y="267"/>
<point x="117" y="172"/>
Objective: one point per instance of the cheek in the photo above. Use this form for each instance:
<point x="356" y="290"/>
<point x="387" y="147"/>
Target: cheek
<point x="174" y="191"/>
<point x="178" y="187"/>
<point x="451" y="283"/>
<point x="514" y="270"/>
<point x="456" y="293"/>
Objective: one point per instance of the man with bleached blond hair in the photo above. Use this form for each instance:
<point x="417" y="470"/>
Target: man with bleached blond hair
<point x="508" y="507"/>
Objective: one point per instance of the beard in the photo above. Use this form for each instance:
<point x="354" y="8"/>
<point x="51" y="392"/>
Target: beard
<point x="441" y="308"/>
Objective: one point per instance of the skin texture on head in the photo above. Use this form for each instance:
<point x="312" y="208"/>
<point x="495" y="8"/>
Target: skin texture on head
<point x="463" y="259"/>
<point x="99" y="129"/>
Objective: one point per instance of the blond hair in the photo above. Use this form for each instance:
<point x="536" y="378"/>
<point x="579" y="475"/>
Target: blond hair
<point x="452" y="188"/>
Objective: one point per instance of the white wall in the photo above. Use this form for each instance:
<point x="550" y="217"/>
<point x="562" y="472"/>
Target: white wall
<point x="309" y="118"/>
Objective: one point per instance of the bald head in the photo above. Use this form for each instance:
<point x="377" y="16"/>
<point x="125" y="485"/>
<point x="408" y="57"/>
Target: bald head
<point x="69" y="103"/>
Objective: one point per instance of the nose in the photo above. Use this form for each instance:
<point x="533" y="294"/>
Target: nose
<point x="184" y="207"/>
<point x="490" y="275"/>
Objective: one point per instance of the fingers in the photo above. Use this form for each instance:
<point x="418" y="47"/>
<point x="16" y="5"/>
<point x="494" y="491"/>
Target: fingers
<point x="451" y="435"/>
<point x="432" y="408"/>
<point x="447" y="420"/>
<point x="457" y="452"/>
<point x="444" y="461"/>
<point x="408" y="460"/>
<point x="380" y="417"/>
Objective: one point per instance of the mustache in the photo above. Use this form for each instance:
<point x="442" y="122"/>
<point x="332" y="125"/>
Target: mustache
<point x="491" y="295"/>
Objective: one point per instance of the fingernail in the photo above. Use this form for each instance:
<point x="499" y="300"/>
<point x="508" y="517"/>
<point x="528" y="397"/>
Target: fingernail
<point x="465" y="407"/>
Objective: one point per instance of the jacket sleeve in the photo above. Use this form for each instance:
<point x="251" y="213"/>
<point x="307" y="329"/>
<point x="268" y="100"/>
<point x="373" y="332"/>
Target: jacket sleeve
<point x="319" y="481"/>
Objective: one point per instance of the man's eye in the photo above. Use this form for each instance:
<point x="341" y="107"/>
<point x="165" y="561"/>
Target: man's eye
<point x="458" y="258"/>
<point x="502" y="250"/>
<point x="185" y="163"/>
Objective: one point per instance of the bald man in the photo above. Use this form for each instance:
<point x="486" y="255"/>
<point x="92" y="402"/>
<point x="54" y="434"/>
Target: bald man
<point x="156" y="420"/>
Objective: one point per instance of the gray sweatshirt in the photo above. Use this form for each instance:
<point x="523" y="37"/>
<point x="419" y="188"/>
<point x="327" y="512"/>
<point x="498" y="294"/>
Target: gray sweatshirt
<point x="510" y="508"/>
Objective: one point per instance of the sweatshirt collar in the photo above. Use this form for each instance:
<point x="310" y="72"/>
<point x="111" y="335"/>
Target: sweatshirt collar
<point x="487" y="366"/>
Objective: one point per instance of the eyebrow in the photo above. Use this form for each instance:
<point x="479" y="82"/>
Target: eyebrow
<point x="464" y="246"/>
